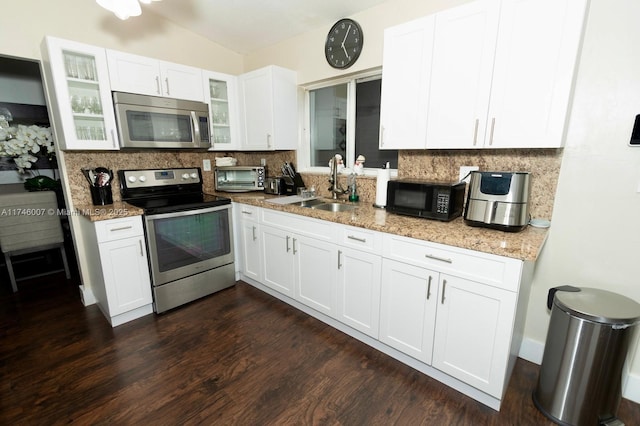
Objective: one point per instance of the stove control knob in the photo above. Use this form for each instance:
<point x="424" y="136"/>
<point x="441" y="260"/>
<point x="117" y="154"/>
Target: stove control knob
<point x="194" y="175"/>
<point x="131" y="179"/>
<point x="142" y="178"/>
<point x="185" y="176"/>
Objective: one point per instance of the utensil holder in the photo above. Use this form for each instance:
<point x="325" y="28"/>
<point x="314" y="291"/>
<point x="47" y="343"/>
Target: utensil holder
<point x="101" y="195"/>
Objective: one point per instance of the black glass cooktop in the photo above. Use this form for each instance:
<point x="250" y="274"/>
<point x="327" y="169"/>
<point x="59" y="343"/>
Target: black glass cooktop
<point x="177" y="202"/>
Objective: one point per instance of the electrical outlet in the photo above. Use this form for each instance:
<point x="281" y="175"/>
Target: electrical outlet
<point x="464" y="172"/>
<point x="206" y="165"/>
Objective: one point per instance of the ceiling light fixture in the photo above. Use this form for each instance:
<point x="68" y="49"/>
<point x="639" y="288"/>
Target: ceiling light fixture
<point x="124" y="9"/>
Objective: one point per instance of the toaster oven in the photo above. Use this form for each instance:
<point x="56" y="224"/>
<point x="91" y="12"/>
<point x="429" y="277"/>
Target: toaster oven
<point x="239" y="178"/>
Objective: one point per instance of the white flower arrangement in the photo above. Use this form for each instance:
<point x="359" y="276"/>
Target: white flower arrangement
<point x="22" y="142"/>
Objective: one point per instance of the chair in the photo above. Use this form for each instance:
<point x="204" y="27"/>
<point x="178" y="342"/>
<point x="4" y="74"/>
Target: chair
<point x="29" y="223"/>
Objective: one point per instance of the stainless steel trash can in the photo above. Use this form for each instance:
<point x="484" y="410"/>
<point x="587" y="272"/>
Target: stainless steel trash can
<point x="581" y="372"/>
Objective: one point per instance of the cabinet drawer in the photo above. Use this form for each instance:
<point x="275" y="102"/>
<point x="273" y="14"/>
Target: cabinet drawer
<point x="361" y="239"/>
<point x="116" y="229"/>
<point x="494" y="270"/>
<point x="247" y="212"/>
<point x="310" y="227"/>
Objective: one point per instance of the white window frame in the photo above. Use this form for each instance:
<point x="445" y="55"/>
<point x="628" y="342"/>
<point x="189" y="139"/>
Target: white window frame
<point x="304" y="150"/>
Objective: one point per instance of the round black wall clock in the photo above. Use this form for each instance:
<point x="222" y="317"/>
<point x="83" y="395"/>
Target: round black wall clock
<point x="344" y="44"/>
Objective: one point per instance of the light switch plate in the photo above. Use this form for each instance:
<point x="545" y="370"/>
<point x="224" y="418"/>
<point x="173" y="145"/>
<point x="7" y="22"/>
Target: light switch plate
<point x="465" y="170"/>
<point x="206" y="165"/>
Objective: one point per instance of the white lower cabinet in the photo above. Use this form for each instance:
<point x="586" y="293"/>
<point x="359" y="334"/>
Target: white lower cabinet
<point x="452" y="310"/>
<point x="359" y="278"/>
<point x="119" y="274"/>
<point x="249" y="234"/>
<point x="473" y="333"/>
<point x="408" y="308"/>
<point x="278" y="268"/>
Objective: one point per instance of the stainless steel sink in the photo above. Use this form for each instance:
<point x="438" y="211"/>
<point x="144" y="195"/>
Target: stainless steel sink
<point x="310" y="203"/>
<point x="334" y="207"/>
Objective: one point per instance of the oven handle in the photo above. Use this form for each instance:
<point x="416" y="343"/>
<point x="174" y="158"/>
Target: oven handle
<point x="189" y="212"/>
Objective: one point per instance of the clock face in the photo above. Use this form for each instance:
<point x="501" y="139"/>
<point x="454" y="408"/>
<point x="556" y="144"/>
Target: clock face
<point x="344" y="44"/>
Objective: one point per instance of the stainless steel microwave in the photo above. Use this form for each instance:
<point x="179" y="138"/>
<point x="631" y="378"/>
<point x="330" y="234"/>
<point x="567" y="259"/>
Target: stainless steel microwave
<point x="431" y="200"/>
<point x="240" y="178"/>
<point x="155" y="122"/>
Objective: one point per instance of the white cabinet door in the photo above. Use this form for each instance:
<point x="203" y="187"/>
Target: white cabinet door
<point x="126" y="274"/>
<point x="533" y="73"/>
<point x="502" y="73"/>
<point x="406" y="68"/>
<point x="278" y="260"/>
<point x="463" y="52"/>
<point x="78" y="89"/>
<point x="473" y="333"/>
<point x="148" y="76"/>
<point x="359" y="278"/>
<point x="251" y="252"/>
<point x="269" y="104"/>
<point x="181" y="81"/>
<point x="408" y="308"/>
<point x="224" y="114"/>
<point x="316" y="273"/>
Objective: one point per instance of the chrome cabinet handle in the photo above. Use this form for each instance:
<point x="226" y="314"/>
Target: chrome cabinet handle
<point x="362" y="240"/>
<point x="441" y="259"/>
<point x="246" y="212"/>
<point x="294" y="246"/>
<point x="475" y="132"/>
<point x="253" y="231"/>
<point x="140" y="244"/>
<point x="158" y="85"/>
<point x="381" y="136"/>
<point x="444" y="288"/>
<point x="339" y="257"/>
<point x="122" y="228"/>
<point x="493" y="126"/>
<point x="166" y="80"/>
<point x="268" y="140"/>
<point x="288" y="248"/>
<point x="429" y="287"/>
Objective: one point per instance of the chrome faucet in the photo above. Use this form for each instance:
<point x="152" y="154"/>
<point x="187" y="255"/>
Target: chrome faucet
<point x="335" y="188"/>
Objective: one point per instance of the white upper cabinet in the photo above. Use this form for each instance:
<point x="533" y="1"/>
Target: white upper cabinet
<point x="461" y="75"/>
<point x="148" y="76"/>
<point x="502" y="73"/>
<point x="269" y="102"/>
<point x="406" y="67"/>
<point x="77" y="85"/>
<point x="221" y="93"/>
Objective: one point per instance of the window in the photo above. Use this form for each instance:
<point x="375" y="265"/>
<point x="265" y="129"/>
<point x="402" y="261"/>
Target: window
<point x="344" y="118"/>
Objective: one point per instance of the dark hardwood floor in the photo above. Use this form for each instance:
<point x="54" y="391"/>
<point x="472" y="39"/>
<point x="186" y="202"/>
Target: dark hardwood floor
<point x="239" y="357"/>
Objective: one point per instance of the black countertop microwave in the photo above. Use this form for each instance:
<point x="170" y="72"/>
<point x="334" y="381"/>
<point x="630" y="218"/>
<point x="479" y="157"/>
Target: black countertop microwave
<point x="430" y="200"/>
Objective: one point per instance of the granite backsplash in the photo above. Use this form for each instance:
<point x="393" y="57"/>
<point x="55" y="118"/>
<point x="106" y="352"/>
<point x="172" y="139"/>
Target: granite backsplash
<point x="432" y="165"/>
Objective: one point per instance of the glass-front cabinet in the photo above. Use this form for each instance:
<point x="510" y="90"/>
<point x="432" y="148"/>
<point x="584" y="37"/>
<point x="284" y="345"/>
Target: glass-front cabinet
<point x="77" y="82"/>
<point x="222" y="96"/>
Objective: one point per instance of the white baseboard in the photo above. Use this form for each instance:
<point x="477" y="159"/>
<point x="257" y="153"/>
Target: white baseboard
<point x="532" y="351"/>
<point x="86" y="295"/>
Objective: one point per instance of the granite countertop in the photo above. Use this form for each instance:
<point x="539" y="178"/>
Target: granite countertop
<point x="108" y="211"/>
<point x="523" y="245"/>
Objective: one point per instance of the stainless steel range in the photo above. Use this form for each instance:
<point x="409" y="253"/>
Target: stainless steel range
<point x="188" y="233"/>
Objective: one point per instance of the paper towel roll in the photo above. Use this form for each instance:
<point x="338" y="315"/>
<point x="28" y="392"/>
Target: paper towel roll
<point x="381" y="187"/>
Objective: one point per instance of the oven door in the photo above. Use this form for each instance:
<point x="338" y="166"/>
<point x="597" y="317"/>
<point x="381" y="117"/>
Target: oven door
<point x="185" y="243"/>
